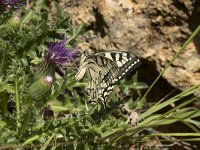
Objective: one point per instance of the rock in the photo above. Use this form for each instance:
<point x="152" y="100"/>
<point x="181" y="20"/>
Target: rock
<point x="154" y="30"/>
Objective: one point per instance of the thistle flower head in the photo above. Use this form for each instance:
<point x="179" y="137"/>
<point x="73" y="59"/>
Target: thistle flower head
<point x="9" y="2"/>
<point x="58" y="54"/>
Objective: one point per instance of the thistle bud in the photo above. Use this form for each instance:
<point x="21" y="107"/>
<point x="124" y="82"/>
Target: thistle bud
<point x="41" y="88"/>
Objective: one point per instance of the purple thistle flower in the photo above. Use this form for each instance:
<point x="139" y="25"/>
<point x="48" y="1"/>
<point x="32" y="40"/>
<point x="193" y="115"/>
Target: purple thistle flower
<point x="58" y="54"/>
<point x="9" y="2"/>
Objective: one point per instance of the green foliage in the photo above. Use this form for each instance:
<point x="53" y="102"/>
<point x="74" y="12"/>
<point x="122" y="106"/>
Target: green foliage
<point x="67" y="120"/>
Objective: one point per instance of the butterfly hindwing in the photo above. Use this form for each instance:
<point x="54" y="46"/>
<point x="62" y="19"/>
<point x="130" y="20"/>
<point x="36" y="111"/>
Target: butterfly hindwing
<point x="104" y="69"/>
<point x="101" y="77"/>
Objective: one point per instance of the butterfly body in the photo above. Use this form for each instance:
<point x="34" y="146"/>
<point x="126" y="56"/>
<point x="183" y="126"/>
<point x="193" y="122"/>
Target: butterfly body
<point x="104" y="69"/>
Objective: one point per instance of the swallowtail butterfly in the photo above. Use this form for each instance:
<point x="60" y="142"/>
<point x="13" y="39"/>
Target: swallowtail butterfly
<point x="104" y="69"/>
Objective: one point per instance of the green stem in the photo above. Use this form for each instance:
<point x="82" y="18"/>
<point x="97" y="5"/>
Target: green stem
<point x="175" y="56"/>
<point x="17" y="100"/>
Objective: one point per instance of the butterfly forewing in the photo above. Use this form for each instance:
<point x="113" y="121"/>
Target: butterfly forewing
<point x="125" y="61"/>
